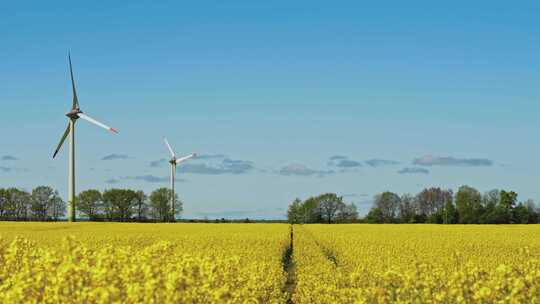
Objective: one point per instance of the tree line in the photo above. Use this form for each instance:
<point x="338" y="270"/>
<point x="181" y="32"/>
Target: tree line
<point x="442" y="206"/>
<point x="431" y="205"/>
<point x="44" y="204"/>
<point x="325" y="208"/>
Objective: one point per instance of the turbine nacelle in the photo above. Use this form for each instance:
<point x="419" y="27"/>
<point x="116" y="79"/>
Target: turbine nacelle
<point x="74" y="114"/>
<point x="174" y="160"/>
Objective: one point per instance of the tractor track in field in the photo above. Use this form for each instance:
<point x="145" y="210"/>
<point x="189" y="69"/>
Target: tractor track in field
<point x="288" y="267"/>
<point x="327" y="251"/>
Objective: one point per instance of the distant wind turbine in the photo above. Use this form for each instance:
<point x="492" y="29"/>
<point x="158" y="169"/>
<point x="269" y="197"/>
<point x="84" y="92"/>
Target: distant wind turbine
<point x="175" y="161"/>
<point x="73" y="115"/>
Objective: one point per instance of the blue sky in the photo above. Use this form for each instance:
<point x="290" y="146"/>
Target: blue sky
<point x="406" y="95"/>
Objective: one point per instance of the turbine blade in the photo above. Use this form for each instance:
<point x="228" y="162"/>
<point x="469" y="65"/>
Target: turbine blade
<point x="169" y="147"/>
<point x="75" y="99"/>
<point x="66" y="133"/>
<point x="97" y="123"/>
<point x="183" y="159"/>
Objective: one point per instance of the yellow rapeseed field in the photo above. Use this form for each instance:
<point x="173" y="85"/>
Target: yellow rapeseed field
<point x="250" y="263"/>
<point x="417" y="264"/>
<point x="142" y="263"/>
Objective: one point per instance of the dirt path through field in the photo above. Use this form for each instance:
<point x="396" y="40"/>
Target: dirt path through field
<point x="288" y="267"/>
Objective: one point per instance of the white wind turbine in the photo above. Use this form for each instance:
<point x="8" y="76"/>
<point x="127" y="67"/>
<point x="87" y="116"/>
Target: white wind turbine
<point x="73" y="115"/>
<point x="175" y="161"/>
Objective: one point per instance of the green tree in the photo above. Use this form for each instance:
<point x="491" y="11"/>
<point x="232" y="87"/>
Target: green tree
<point x="375" y="216"/>
<point x="521" y="214"/>
<point x="325" y="208"/>
<point x="533" y="211"/>
<point x="89" y="202"/>
<point x="525" y="213"/>
<point x="160" y="203"/>
<point x="311" y="212"/>
<point x="490" y="202"/>
<point x="508" y="199"/>
<point x="120" y="203"/>
<point x="507" y="204"/>
<point x="450" y="213"/>
<point x="469" y="205"/>
<point x="294" y="213"/>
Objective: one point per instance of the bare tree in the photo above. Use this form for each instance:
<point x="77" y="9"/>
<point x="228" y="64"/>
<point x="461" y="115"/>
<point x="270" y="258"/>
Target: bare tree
<point x="330" y="204"/>
<point x="347" y="213"/>
<point x="57" y="208"/>
<point x="19" y="203"/>
<point x="432" y="200"/>
<point x="141" y="206"/>
<point x="407" y="208"/>
<point x="388" y="205"/>
<point x="3" y="202"/>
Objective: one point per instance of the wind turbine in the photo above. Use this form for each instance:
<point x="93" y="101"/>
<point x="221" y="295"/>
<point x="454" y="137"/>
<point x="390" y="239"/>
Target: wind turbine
<point x="73" y="115"/>
<point x="175" y="161"/>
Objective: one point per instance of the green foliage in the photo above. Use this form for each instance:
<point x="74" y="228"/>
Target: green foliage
<point x="310" y="211"/>
<point x="325" y="208"/>
<point x="294" y="213"/>
<point x="375" y="216"/>
<point x="18" y="204"/>
<point x="90" y="203"/>
<point x="44" y="204"/>
<point x="508" y="200"/>
<point x="40" y="198"/>
<point x="450" y="213"/>
<point x="469" y="206"/>
<point x="119" y="203"/>
<point x="160" y="201"/>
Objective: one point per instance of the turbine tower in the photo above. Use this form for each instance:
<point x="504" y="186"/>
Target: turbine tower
<point x="175" y="161"/>
<point x="73" y="115"/>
